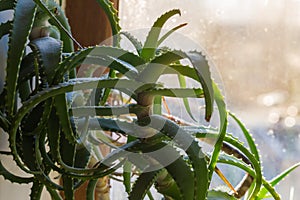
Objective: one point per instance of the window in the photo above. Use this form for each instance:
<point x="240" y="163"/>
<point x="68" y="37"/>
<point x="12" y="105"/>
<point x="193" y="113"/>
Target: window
<point x="255" y="45"/>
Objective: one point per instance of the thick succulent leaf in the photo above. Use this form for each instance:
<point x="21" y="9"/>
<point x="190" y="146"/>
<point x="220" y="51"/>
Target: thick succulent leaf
<point x="113" y="63"/>
<point x="179" y="183"/>
<point x="5" y="28"/>
<point x="237" y="144"/>
<point x="107" y="110"/>
<point x="36" y="190"/>
<point x="27" y="70"/>
<point x="182" y="83"/>
<point x="4" y="123"/>
<point x="61" y="22"/>
<point x="153" y="70"/>
<point x="231" y="160"/>
<point x="53" y="130"/>
<point x="177" y="92"/>
<point x="107" y="124"/>
<point x="203" y="71"/>
<point x="22" y="23"/>
<point x="67" y="152"/>
<point x="48" y="51"/>
<point x="263" y="192"/>
<point x="79" y="85"/>
<point x="219" y="195"/>
<point x="182" y="178"/>
<point x="200" y="65"/>
<point x="143" y="184"/>
<point x="183" y="70"/>
<point x="245" y="184"/>
<point x="254" y="162"/>
<point x="151" y="42"/>
<point x="68" y="187"/>
<point x="135" y="42"/>
<point x="194" y="152"/>
<point x="51" y="92"/>
<point x="222" y="129"/>
<point x="127" y="176"/>
<point x="53" y="193"/>
<point x="122" y="59"/>
<point x="157" y="109"/>
<point x="112" y="15"/>
<point x="118" y="53"/>
<point x="82" y="157"/>
<point x="248" y="137"/>
<point x="90" y="190"/>
<point x="64" y="118"/>
<point x="166" y="35"/>
<point x="150" y="196"/>
<point x="166" y="186"/>
<point x="13" y="178"/>
<point x="31" y="120"/>
<point x="118" y="59"/>
<point x="25" y="90"/>
<point x="7" y="5"/>
<point x="71" y="62"/>
<point x="62" y="155"/>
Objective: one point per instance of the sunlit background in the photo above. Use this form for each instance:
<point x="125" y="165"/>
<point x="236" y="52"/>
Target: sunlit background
<point x="255" y="46"/>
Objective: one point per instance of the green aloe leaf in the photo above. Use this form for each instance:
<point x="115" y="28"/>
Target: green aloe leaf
<point x="182" y="179"/>
<point x="219" y="195"/>
<point x="166" y="185"/>
<point x="256" y="165"/>
<point x="200" y="72"/>
<point x="142" y="185"/>
<point x="151" y="42"/>
<point x="90" y="190"/>
<point x="7" y="5"/>
<point x="23" y="20"/>
<point x="36" y="190"/>
<point x="112" y="15"/>
<point x="182" y="83"/>
<point x="135" y="42"/>
<point x="157" y="66"/>
<point x="248" y="136"/>
<point x="127" y="176"/>
<point x="4" y="123"/>
<point x="222" y="130"/>
<point x="13" y="178"/>
<point x="53" y="193"/>
<point x="166" y="35"/>
<point x="157" y="108"/>
<point x="203" y="71"/>
<point x="194" y="152"/>
<point x="177" y="92"/>
<point x="5" y="28"/>
<point x="263" y="192"/>
<point x="256" y="171"/>
<point x="48" y="51"/>
<point x="183" y="70"/>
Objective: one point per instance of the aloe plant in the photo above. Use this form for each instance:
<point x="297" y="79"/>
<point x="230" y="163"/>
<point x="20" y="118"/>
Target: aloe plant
<point x="51" y="120"/>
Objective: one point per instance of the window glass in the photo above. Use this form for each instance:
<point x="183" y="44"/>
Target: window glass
<point x="255" y="45"/>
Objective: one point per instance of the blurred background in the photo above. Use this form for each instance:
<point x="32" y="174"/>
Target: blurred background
<point x="255" y="46"/>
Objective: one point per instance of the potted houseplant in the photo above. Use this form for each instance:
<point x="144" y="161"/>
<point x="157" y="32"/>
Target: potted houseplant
<point x="55" y="120"/>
